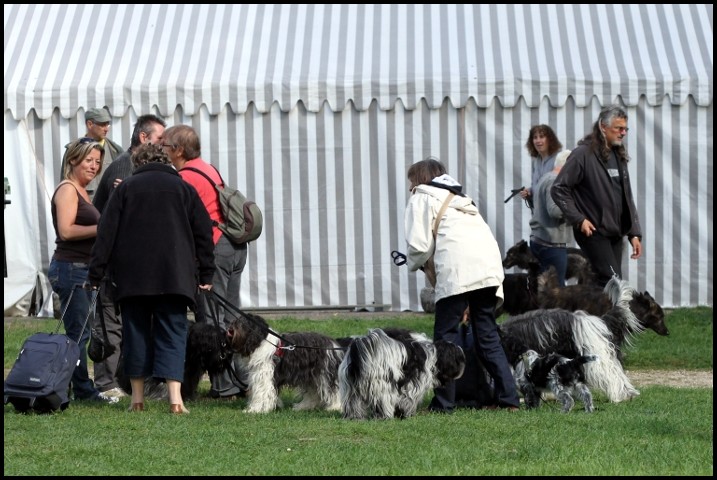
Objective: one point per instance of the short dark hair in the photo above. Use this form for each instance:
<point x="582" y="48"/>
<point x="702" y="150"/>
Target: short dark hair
<point x="145" y="124"/>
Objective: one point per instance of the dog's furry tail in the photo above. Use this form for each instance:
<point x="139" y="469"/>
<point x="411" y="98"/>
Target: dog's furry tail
<point x="621" y="294"/>
<point x="591" y="335"/>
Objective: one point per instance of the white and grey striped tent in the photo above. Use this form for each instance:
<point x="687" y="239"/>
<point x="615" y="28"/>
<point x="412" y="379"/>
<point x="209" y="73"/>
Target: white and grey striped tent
<point x="316" y="112"/>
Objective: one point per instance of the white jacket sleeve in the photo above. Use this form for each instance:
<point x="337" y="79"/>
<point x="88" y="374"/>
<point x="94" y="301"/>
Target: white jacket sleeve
<point x="418" y="224"/>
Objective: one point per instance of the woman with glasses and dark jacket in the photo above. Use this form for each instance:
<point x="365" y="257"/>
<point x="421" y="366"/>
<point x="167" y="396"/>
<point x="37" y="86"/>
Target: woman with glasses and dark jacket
<point x="594" y="193"/>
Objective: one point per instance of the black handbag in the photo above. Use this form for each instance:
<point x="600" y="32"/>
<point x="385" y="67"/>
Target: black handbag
<point x="99" y="348"/>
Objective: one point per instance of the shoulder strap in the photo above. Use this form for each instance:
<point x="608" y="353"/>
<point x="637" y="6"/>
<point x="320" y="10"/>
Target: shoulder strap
<point x="211" y="182"/>
<point x="441" y="212"/>
<point x="196" y="170"/>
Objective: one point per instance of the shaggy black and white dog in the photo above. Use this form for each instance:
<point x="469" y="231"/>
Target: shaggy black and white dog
<point x="387" y="373"/>
<point x="562" y="376"/>
<point x="307" y="361"/>
<point x="208" y="351"/>
<point x="571" y="334"/>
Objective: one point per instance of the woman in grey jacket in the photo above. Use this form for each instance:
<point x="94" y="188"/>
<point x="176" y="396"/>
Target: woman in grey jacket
<point x="593" y="190"/>
<point x="469" y="272"/>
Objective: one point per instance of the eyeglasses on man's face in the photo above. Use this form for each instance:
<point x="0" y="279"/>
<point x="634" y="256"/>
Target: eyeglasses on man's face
<point x="621" y="129"/>
<point x="169" y="145"/>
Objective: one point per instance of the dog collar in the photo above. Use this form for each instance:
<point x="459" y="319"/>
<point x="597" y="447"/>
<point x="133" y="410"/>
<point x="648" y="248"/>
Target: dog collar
<point x="279" y="352"/>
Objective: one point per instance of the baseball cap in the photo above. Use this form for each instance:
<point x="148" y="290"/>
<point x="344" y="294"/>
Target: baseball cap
<point x="98" y="115"/>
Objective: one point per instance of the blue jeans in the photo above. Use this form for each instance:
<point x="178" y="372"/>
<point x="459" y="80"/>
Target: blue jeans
<point x="64" y="278"/>
<point x="551" y="256"/>
<point x="154" y="333"/>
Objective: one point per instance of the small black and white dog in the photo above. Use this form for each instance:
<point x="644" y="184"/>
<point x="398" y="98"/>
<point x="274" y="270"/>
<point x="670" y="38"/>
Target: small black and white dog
<point x="553" y="373"/>
<point x="207" y="351"/>
<point x="387" y="373"/>
<point x="308" y="361"/>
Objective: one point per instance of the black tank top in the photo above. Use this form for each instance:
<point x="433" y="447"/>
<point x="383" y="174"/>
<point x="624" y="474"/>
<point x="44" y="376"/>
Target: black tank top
<point x="75" y="250"/>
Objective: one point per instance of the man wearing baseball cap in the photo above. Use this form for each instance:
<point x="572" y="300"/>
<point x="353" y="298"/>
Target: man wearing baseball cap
<point x="97" y="121"/>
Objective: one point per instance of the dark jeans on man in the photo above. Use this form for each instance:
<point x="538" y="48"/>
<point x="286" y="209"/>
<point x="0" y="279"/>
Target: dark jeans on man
<point x="604" y="254"/>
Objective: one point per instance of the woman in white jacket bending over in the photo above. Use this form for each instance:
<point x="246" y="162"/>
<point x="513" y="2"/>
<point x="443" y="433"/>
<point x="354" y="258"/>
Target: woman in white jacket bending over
<point x="469" y="272"/>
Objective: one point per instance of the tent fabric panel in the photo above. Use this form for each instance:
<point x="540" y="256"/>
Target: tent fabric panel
<point x="333" y="190"/>
<point x="74" y="57"/>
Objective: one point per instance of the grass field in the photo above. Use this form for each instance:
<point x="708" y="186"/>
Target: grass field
<point x="664" y="431"/>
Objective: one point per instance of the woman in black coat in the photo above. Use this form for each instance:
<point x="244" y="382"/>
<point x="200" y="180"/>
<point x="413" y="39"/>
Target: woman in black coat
<point x="155" y="237"/>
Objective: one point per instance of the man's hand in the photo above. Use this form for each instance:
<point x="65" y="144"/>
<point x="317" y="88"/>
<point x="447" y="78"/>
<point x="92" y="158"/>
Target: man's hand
<point x="636" y="248"/>
<point x="587" y="228"/>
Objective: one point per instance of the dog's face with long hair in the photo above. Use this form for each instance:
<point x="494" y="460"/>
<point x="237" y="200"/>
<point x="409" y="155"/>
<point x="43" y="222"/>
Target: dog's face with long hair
<point x="208" y="346"/>
<point x="649" y="312"/>
<point x="519" y="255"/>
<point x="450" y="361"/>
<point x="246" y="332"/>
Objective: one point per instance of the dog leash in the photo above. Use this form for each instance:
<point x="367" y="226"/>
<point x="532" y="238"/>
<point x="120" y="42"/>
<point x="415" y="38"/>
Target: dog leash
<point x="284" y="344"/>
<point x="213" y="311"/>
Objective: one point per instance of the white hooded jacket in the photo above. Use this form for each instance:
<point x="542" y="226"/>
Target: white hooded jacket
<point x="467" y="256"/>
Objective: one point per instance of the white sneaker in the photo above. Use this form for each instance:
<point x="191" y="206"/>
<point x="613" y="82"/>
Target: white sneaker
<point x="115" y="393"/>
<point x="102" y="396"/>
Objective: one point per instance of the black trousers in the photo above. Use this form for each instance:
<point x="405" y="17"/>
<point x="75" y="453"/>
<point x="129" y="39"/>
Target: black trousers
<point x="486" y="341"/>
<point x="604" y="253"/>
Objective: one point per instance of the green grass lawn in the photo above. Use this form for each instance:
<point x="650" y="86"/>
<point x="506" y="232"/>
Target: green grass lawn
<point x="664" y="431"/>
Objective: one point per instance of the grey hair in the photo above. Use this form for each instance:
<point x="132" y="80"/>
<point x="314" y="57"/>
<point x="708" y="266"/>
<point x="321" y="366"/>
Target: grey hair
<point x="561" y="158"/>
<point x="610" y="113"/>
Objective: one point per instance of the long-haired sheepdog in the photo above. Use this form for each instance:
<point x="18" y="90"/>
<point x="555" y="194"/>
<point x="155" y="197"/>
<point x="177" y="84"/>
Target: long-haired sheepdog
<point x="307" y="361"/>
<point x="556" y="374"/>
<point x="570" y="334"/>
<point x="387" y="372"/>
